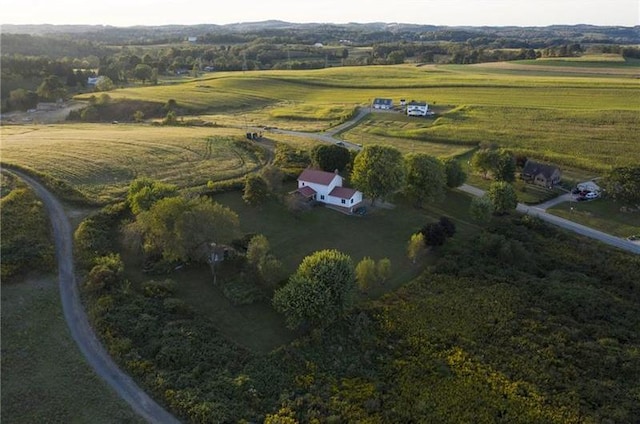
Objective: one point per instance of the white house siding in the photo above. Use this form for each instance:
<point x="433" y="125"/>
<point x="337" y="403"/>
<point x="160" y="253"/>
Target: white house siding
<point x="348" y="203"/>
<point x="321" y="189"/>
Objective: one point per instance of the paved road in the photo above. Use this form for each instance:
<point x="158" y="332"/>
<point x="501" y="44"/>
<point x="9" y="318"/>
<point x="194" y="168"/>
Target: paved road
<point x="77" y="320"/>
<point x="539" y="212"/>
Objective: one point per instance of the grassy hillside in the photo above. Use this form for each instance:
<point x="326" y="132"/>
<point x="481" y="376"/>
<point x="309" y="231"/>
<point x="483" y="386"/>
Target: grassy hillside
<point x="587" y="120"/>
<point x="101" y="160"/>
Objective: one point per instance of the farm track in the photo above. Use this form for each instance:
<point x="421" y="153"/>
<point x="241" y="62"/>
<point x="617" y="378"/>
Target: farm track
<point x="78" y="322"/>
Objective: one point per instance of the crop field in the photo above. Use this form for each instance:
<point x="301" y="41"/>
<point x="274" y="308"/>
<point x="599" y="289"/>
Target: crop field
<point x="101" y="160"/>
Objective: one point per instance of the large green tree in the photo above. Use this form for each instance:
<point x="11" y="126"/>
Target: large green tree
<point x="503" y="197"/>
<point x="319" y="292"/>
<point x="181" y="229"/>
<point x="51" y="88"/>
<point x="144" y="192"/>
<point x="425" y="179"/>
<point x="378" y="171"/>
<point x="481" y="209"/>
<point x="143" y="72"/>
<point x="255" y="190"/>
<point x="259" y="256"/>
<point x="623" y="184"/>
<point x="330" y="157"/>
<point x="454" y="172"/>
<point x="505" y="167"/>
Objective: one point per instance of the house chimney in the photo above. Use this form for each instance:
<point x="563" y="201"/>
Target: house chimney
<point x="336" y="171"/>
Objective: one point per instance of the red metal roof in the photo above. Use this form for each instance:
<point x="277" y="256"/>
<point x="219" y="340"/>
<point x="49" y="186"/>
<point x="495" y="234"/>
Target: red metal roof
<point x="317" y="176"/>
<point x="342" y="192"/>
<point x="306" y="191"/>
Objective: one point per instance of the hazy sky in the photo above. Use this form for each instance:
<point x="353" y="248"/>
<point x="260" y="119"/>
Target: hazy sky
<point x="436" y="12"/>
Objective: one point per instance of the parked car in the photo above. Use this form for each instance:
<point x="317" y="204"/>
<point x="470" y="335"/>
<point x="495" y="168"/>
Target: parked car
<point x="340" y="143"/>
<point x="634" y="238"/>
<point x="591" y="195"/>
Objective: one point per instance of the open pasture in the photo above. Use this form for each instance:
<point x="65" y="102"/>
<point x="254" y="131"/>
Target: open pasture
<point x="101" y="160"/>
<point x="325" y="94"/>
<point x="587" y="139"/>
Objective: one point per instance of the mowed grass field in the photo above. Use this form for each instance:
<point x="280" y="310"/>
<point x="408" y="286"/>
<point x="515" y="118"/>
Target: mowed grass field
<point x="102" y="159"/>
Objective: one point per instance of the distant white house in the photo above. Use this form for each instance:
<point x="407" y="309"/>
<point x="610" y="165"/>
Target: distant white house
<point x="384" y="104"/>
<point x="417" y="108"/>
<point x="94" y="80"/>
<point x="192" y="39"/>
<point x="589" y="186"/>
<point x="326" y="187"/>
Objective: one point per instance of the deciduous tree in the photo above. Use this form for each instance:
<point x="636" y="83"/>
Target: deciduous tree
<point x="180" y="228"/>
<point x="425" y="179"/>
<point x="378" y="171"/>
<point x="383" y="269"/>
<point x="416" y="246"/>
<point x="623" y="184"/>
<point x="143" y="72"/>
<point x="255" y="190"/>
<point x="454" y="172"/>
<point x="481" y="209"/>
<point x="366" y="273"/>
<point x="144" y="192"/>
<point x="503" y="197"/>
<point x="330" y="157"/>
<point x="319" y="292"/>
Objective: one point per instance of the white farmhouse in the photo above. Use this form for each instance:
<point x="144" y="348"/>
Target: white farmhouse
<point x="385" y="104"/>
<point x="417" y="108"/>
<point x="326" y="187"/>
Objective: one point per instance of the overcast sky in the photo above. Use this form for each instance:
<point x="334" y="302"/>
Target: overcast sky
<point x="436" y="12"/>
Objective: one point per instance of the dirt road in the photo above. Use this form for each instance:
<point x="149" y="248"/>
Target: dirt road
<point x="76" y="317"/>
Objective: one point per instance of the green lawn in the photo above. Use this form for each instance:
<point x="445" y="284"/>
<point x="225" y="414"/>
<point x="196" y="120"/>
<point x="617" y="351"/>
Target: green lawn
<point x="601" y="214"/>
<point x="45" y="378"/>
<point x="382" y="233"/>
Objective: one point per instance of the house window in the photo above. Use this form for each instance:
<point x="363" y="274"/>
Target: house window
<point x="343" y="201"/>
<point x="352" y="201"/>
<point x="322" y="197"/>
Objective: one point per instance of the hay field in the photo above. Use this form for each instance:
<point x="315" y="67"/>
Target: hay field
<point x="101" y="159"/>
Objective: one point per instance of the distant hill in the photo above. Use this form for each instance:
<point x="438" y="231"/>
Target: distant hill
<point x="611" y="34"/>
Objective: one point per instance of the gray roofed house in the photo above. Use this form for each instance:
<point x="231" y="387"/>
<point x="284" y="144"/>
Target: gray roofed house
<point x="541" y="174"/>
<point x="383" y="104"/>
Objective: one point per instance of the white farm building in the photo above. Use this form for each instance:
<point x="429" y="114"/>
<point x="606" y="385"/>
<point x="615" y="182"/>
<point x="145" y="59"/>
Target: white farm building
<point x="326" y="187"/>
<point x="417" y="108"/>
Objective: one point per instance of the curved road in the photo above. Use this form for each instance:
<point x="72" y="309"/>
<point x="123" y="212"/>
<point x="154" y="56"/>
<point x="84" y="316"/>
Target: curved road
<point x="77" y="320"/>
<point x="537" y="211"/>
